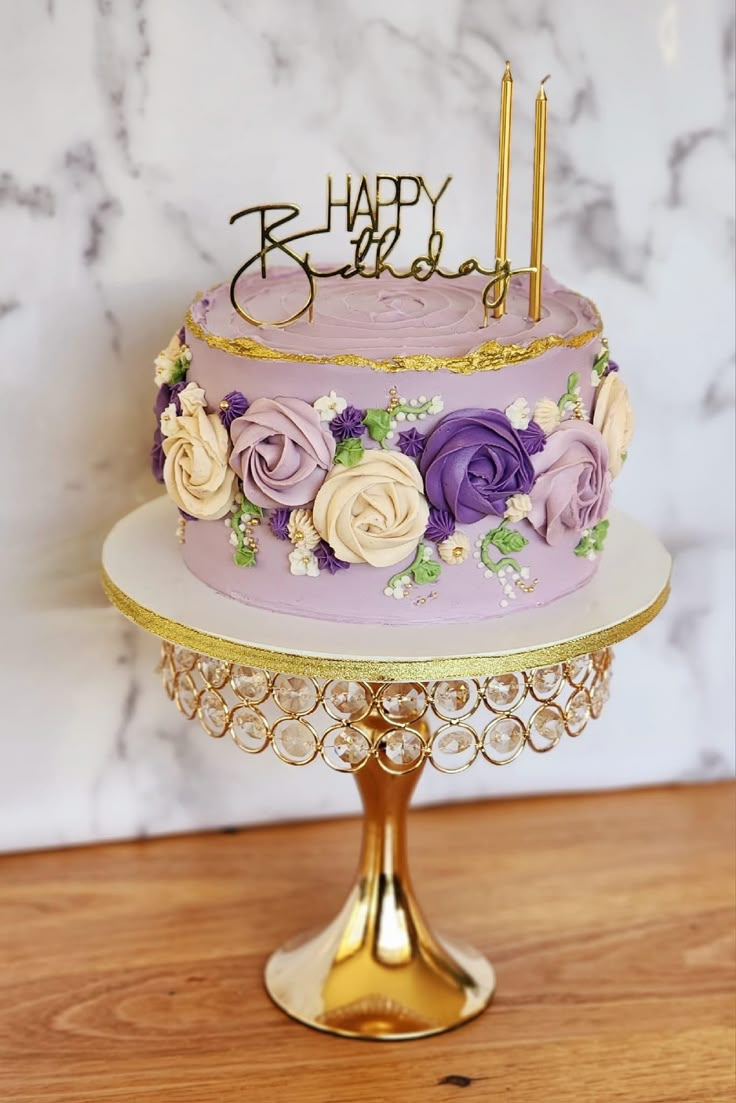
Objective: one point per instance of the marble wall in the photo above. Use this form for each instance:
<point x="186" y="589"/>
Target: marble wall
<point x="131" y="129"/>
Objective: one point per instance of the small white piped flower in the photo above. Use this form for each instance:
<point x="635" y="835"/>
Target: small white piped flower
<point x="455" y="549"/>
<point x="302" y="561"/>
<point x="169" y="420"/>
<point x="302" y="532"/>
<point x="547" y="414"/>
<point x="166" y="364"/>
<point x="329" y="406"/>
<point x="518" y="506"/>
<point x="519" y="413"/>
<point x="192" y="399"/>
<point x="594" y="378"/>
<point x="436" y="405"/>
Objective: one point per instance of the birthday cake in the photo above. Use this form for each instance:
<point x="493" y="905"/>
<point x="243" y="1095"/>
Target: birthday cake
<point x="390" y="459"/>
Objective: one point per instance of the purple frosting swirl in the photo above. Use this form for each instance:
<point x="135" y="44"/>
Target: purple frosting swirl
<point x="327" y="560"/>
<point x="412" y="443"/>
<point x="279" y="522"/>
<point x="281" y="451"/>
<point x="532" y="438"/>
<point x="573" y="485"/>
<point x="440" y="526"/>
<point x="348" y="424"/>
<point x="233" y="405"/>
<point x="474" y="460"/>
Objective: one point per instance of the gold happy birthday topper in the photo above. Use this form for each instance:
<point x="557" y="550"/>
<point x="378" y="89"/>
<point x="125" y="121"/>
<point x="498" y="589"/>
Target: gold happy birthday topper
<point x="375" y="217"/>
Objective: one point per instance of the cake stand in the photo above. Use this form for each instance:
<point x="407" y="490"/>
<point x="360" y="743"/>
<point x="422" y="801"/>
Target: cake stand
<point x="380" y="703"/>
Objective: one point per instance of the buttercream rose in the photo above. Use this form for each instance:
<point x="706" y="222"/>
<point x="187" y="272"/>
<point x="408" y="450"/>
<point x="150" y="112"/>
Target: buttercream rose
<point x="281" y="451"/>
<point x="374" y="512"/>
<point x="473" y="461"/>
<point x="614" y="417"/>
<point x="196" y="471"/>
<point x="573" y="485"/>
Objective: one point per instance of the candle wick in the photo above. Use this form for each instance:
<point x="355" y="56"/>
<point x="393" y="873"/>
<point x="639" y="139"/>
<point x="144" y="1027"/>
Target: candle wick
<point x="544" y="80"/>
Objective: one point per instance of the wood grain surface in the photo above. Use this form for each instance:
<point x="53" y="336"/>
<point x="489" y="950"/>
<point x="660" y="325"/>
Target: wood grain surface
<point x="132" y="972"/>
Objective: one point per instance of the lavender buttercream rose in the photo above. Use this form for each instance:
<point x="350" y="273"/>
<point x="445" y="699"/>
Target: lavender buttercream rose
<point x="573" y="485"/>
<point x="281" y="451"/>
<point x="473" y="461"/>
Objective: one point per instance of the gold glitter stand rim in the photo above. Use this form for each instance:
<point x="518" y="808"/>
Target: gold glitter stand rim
<point x="369" y="670"/>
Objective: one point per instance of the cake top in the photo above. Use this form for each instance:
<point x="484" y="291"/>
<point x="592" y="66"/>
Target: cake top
<point x="388" y="318"/>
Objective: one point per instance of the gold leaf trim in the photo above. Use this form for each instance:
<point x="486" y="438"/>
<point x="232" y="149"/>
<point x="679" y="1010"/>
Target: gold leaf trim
<point x="378" y="670"/>
<point x="490" y="356"/>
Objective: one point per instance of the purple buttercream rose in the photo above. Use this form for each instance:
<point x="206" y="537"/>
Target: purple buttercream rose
<point x="281" y="451"/>
<point x="611" y="366"/>
<point x="412" y="443"/>
<point x="473" y="461"/>
<point x="533" y="438"/>
<point x="279" y="522"/>
<point x="327" y="560"/>
<point x="440" y="525"/>
<point x="157" y="456"/>
<point x="165" y="395"/>
<point x="348" y="424"/>
<point x="573" y="485"/>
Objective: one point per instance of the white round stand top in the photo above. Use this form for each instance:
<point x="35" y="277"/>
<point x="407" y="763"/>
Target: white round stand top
<point x="145" y="578"/>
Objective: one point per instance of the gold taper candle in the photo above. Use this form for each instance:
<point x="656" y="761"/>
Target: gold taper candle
<point x="540" y="156"/>
<point x="502" y="183"/>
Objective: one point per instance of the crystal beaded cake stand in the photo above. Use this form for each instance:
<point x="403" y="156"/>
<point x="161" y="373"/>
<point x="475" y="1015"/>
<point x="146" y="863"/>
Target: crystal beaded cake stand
<point x="380" y="703"/>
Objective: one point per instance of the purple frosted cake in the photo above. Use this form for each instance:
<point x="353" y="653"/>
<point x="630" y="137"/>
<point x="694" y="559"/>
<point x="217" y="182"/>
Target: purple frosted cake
<point x="392" y="460"/>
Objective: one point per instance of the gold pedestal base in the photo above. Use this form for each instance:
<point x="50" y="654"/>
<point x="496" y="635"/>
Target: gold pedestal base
<point x="377" y="971"/>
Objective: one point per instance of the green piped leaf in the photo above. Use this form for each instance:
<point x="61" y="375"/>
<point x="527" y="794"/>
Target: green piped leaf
<point x="601" y="363"/>
<point x="349" y="452"/>
<point x="245" y="557"/>
<point x="428" y="570"/>
<point x="600" y="532"/>
<point x="422" y="570"/>
<point x="506" y="539"/>
<point x="250" y="508"/>
<point x="594" y="540"/>
<point x="181" y="367"/>
<point x="378" y="424"/>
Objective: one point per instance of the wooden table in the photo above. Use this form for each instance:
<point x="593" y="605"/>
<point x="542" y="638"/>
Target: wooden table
<point x="133" y="972"/>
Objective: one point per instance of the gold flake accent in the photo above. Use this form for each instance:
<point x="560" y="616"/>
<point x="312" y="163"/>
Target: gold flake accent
<point x="490" y="356"/>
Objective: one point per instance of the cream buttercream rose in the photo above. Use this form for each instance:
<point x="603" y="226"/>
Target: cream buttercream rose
<point x="374" y="512"/>
<point x="614" y="419"/>
<point x="196" y="472"/>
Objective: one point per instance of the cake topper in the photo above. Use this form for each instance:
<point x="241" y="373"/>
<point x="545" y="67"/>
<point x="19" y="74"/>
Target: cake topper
<point x="373" y="214"/>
